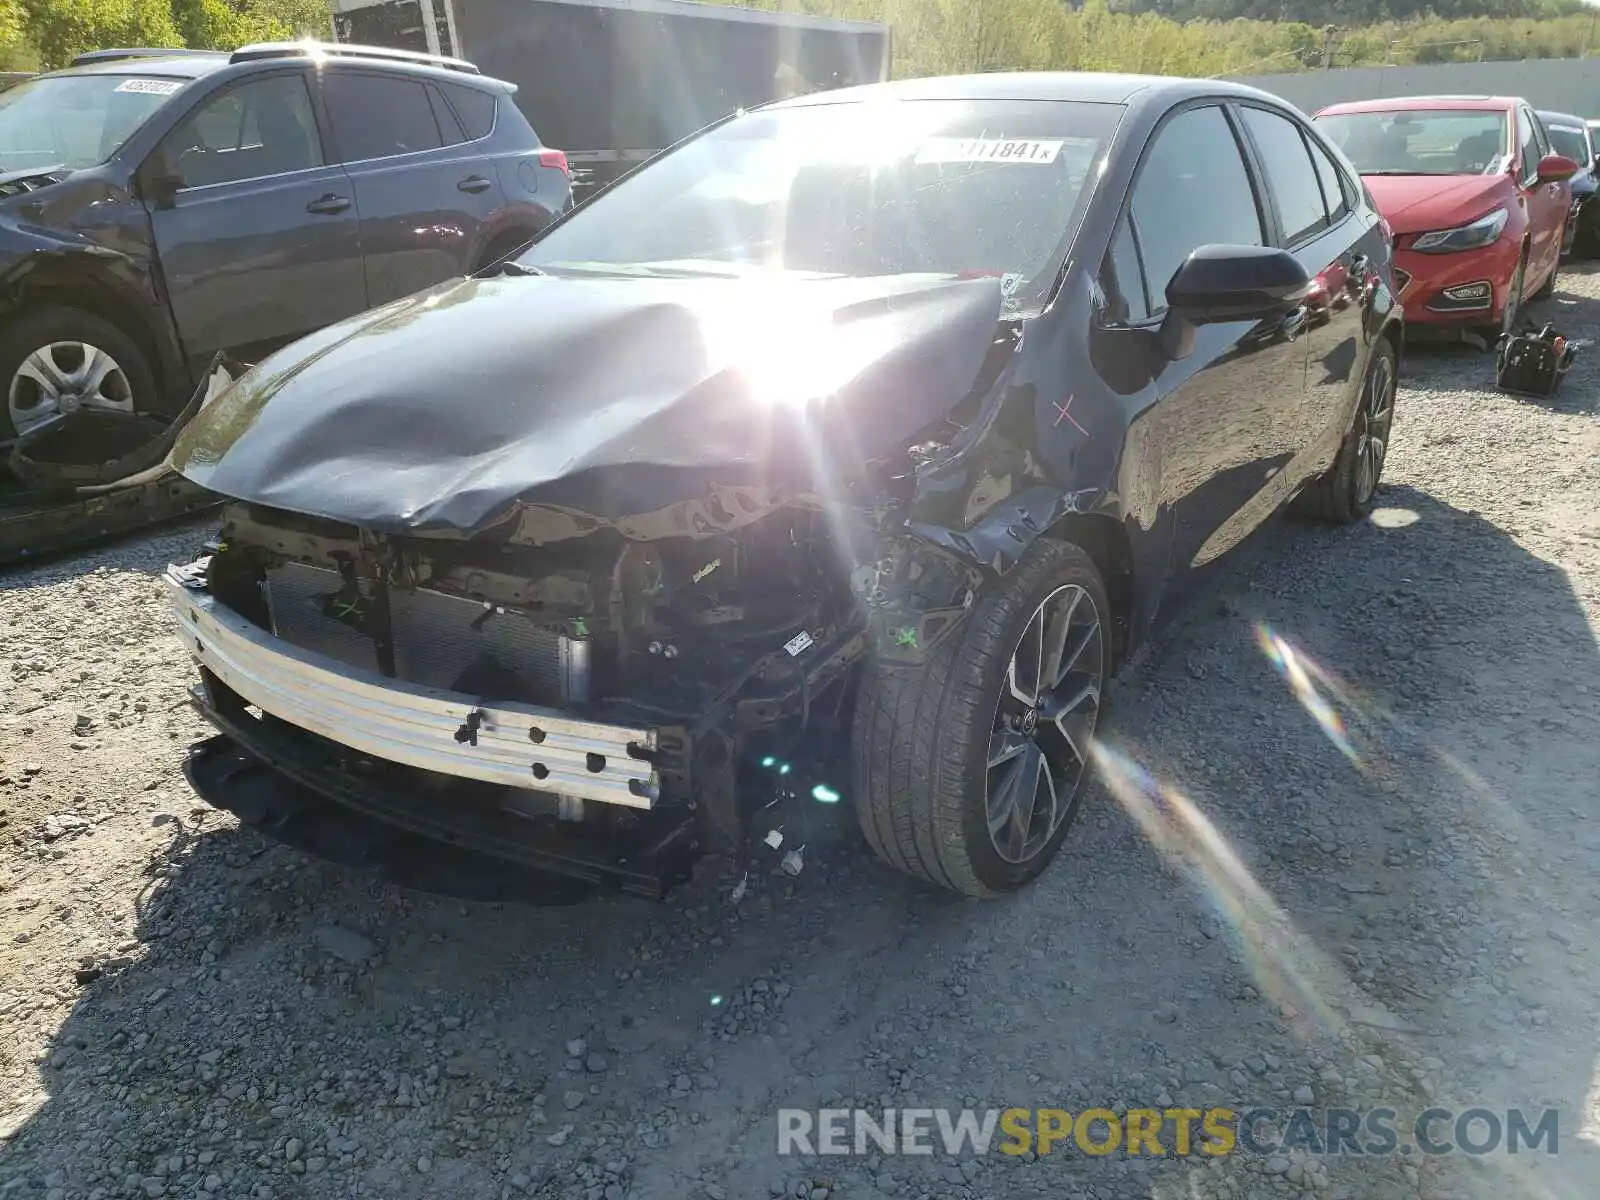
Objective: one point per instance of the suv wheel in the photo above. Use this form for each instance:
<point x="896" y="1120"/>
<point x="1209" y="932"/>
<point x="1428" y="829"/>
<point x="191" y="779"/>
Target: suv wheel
<point x="57" y="361"/>
<point x="970" y="770"/>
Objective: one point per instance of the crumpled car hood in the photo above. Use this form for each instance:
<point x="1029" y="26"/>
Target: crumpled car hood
<point x="446" y="410"/>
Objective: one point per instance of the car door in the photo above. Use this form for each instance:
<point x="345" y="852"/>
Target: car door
<point x="425" y="193"/>
<point x="1317" y="222"/>
<point x="256" y="229"/>
<point x="1227" y="414"/>
<point x="1547" y="203"/>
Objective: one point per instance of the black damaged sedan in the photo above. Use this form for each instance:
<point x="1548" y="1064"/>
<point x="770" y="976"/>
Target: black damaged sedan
<point x="838" y="455"/>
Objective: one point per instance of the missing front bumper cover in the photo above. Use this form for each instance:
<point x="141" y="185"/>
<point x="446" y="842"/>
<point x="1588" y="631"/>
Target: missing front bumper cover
<point x="510" y="744"/>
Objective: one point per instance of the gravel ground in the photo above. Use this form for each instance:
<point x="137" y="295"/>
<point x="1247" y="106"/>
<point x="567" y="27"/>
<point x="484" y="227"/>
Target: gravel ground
<point x="1359" y="870"/>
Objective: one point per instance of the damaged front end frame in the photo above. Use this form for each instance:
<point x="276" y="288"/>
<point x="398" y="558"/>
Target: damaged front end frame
<point x="720" y="687"/>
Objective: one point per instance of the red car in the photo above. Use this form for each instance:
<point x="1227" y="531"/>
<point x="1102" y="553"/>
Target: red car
<point x="1475" y="198"/>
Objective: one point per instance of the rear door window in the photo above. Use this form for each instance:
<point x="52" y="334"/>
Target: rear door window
<point x="379" y="116"/>
<point x="1193" y="190"/>
<point x="1337" y="191"/>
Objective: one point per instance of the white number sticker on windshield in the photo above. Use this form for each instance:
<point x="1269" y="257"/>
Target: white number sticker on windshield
<point x="150" y="87"/>
<point x="997" y="150"/>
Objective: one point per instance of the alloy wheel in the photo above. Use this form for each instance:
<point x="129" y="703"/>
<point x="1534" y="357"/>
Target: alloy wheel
<point x="1046" y="716"/>
<point x="62" y="378"/>
<point x="1373" y="423"/>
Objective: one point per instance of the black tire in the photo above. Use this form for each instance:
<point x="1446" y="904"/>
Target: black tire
<point x="922" y="736"/>
<point x="503" y="246"/>
<point x="42" y="327"/>
<point x="1345" y="493"/>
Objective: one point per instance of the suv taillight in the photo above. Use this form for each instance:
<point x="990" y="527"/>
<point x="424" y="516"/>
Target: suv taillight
<point x="556" y="159"/>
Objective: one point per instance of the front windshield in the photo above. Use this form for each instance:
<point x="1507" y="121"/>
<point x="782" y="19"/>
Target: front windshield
<point x="1421" y="141"/>
<point x="958" y="187"/>
<point x="1570" y="141"/>
<point x="75" y="120"/>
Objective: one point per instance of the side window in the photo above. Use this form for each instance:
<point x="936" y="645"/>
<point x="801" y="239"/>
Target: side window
<point x="378" y="116"/>
<point x="260" y="128"/>
<point x="449" y="127"/>
<point x="1192" y="190"/>
<point x="1122" y="279"/>
<point x="474" y="106"/>
<point x="1336" y="191"/>
<point x="1530" y="133"/>
<point x="1290" y="173"/>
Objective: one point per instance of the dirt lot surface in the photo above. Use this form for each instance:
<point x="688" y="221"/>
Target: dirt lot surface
<point x="1342" y="855"/>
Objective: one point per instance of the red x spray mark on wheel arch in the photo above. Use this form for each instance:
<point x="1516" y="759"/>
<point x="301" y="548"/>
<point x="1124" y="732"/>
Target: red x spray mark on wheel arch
<point x="1064" y="413"/>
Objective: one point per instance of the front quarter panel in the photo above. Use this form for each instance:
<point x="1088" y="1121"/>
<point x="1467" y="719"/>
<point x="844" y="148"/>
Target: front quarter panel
<point x="87" y="243"/>
<point x="1056" y="440"/>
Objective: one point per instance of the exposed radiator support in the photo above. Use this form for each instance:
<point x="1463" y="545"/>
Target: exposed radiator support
<point x="439" y="640"/>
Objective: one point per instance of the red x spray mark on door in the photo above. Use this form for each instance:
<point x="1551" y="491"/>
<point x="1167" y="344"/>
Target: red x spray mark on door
<point x="1064" y="413"/>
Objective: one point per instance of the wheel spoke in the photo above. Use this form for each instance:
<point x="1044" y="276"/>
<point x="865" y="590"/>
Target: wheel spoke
<point x="1005" y="746"/>
<point x="1057" y="629"/>
<point x="1023" y="675"/>
<point x="1003" y="796"/>
<point x="97" y="364"/>
<point x="1029" y="777"/>
<point x="1075" y="653"/>
<point x="41" y="368"/>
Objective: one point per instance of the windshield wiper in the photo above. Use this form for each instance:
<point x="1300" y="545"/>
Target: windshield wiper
<point x="509" y="267"/>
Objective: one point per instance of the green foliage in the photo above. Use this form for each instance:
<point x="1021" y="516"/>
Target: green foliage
<point x="55" y="30"/>
<point x="16" y="52"/>
<point x="1211" y="37"/>
<point x="933" y="37"/>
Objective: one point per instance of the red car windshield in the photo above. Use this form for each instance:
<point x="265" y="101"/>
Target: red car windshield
<point x="1429" y="141"/>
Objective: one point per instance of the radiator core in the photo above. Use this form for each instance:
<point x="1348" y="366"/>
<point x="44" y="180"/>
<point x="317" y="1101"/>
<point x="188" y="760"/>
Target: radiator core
<point x="440" y="640"/>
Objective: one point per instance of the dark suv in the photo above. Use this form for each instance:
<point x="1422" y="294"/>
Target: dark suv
<point x="159" y="206"/>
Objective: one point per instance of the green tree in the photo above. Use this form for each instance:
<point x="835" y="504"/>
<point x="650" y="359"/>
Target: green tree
<point x="59" y="29"/>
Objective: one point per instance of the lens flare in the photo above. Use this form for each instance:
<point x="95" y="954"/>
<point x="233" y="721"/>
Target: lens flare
<point x="1287" y="967"/>
<point x="1308" y="683"/>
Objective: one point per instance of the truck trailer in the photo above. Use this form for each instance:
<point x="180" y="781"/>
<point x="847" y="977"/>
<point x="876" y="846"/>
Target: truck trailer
<point x="613" y="82"/>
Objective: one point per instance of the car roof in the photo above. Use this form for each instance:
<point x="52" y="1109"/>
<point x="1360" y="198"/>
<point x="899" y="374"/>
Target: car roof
<point x="1565" y="118"/>
<point x="1423" y="103"/>
<point x="175" y="66"/>
<point x="1092" y="87"/>
<point x="195" y="64"/>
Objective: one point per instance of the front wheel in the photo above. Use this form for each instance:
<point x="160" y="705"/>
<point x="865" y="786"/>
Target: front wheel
<point x="1513" y="305"/>
<point x="58" y="361"/>
<point x="970" y="769"/>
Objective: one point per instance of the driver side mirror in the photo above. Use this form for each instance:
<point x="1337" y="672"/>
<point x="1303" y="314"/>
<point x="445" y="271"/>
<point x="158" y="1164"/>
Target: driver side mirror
<point x="158" y="181"/>
<point x="1553" y="168"/>
<point x="1229" y="283"/>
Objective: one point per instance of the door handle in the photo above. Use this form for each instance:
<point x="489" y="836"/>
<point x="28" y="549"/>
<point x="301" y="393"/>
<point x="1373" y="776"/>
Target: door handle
<point x="473" y="183"/>
<point x="1294" y="324"/>
<point x="329" y="204"/>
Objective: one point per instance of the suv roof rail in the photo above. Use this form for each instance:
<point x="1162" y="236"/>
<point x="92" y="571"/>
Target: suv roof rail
<point x="342" y="50"/>
<point x="94" y="56"/>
